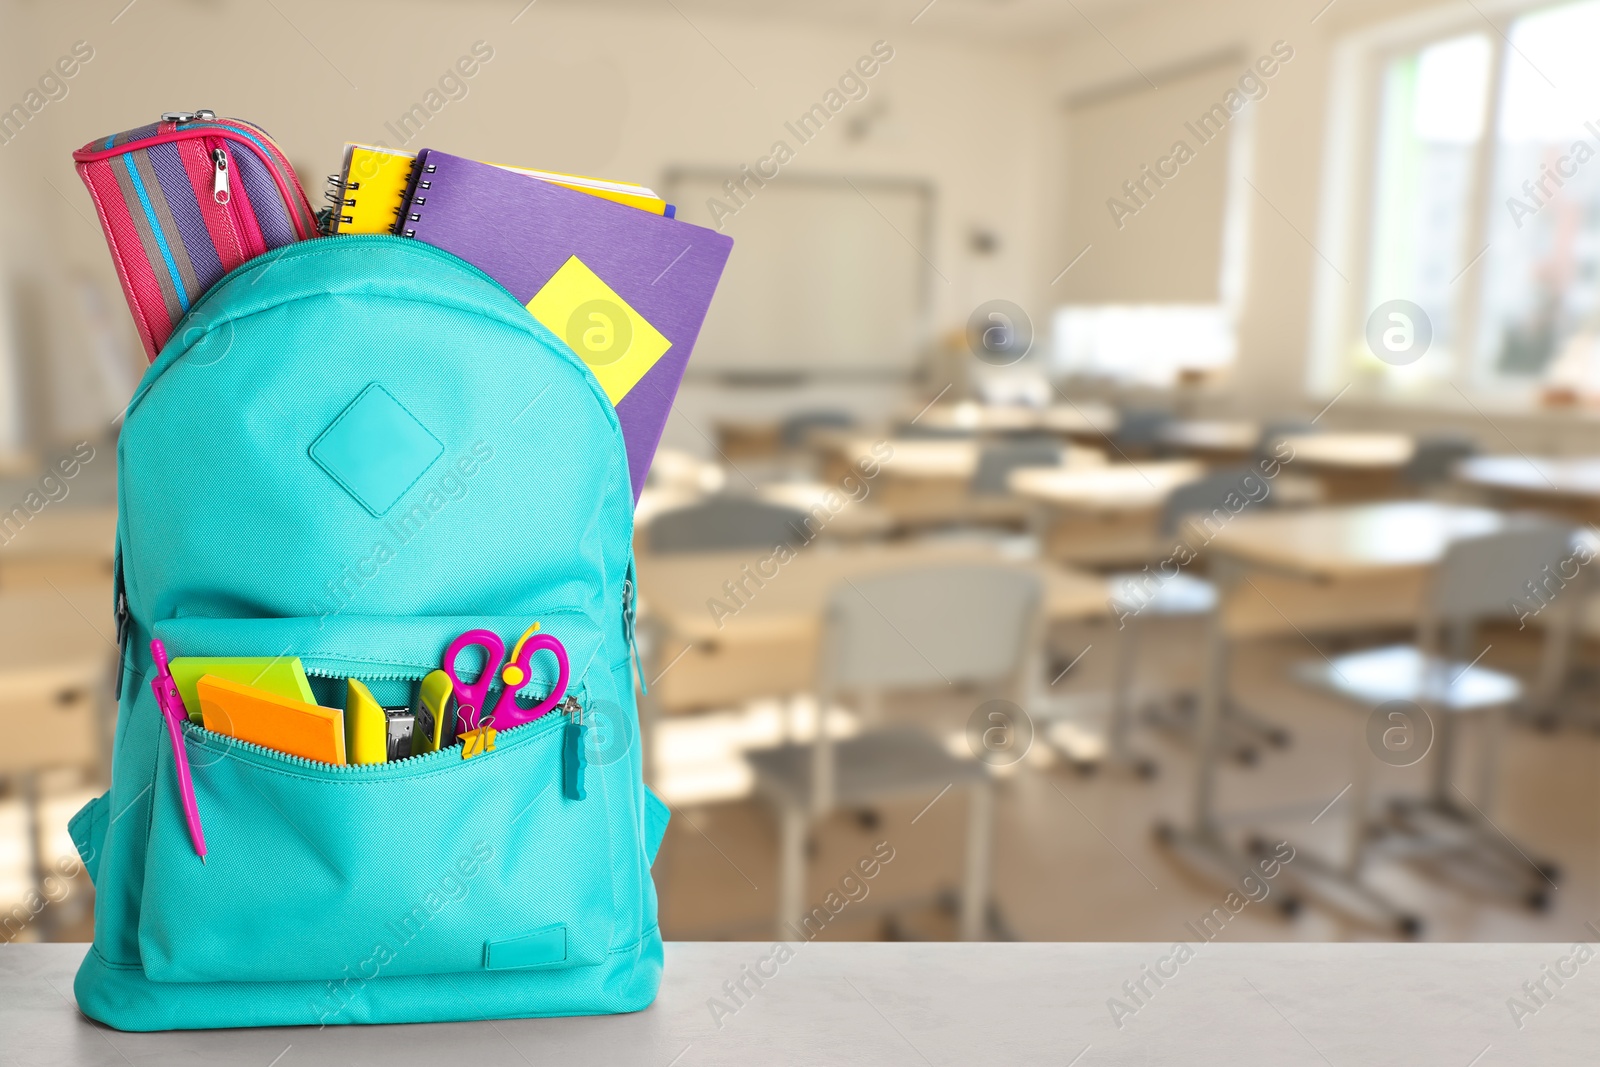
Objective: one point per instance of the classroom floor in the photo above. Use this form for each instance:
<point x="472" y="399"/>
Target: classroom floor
<point x="1075" y="858"/>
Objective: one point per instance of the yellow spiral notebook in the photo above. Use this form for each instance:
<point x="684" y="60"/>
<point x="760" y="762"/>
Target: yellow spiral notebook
<point x="367" y="196"/>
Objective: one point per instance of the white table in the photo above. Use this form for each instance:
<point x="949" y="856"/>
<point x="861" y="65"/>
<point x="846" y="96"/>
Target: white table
<point x="848" y="517"/>
<point x="1214" y="440"/>
<point x="1112" y="489"/>
<point x="1087" y="419"/>
<point x="1569" y="486"/>
<point x="1101" y="516"/>
<point x="929" y="482"/>
<point x="62" y="544"/>
<point x="1353" y="466"/>
<point x="1233" y="1004"/>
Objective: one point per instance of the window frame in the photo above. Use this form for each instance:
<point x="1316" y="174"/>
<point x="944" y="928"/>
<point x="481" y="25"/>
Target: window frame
<point x="1360" y="65"/>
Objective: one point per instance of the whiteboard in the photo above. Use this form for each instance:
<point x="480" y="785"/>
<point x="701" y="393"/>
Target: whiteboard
<point x="826" y="277"/>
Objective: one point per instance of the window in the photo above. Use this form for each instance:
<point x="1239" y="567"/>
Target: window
<point x="1538" y="307"/>
<point x="1480" y="207"/>
<point x="1141" y="344"/>
<point x="1159" y="229"/>
<point x="1428" y="136"/>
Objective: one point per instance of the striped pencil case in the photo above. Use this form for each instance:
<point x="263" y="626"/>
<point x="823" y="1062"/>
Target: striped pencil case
<point x="184" y="201"/>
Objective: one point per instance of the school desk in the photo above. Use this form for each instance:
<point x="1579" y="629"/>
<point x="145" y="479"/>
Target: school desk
<point x="848" y="514"/>
<point x="841" y="515"/>
<point x="1229" y="1003"/>
<point x="715" y="650"/>
<point x="748" y="439"/>
<point x="62" y="543"/>
<point x="673" y="468"/>
<point x="1218" y="441"/>
<point x="1082" y="420"/>
<point x="1351" y="466"/>
<point x="1273" y="563"/>
<point x="1101" y="516"/>
<point x="929" y="482"/>
<point x="1569" y="487"/>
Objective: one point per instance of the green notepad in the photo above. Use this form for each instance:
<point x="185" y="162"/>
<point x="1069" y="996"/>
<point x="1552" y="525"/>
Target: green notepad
<point x="282" y="675"/>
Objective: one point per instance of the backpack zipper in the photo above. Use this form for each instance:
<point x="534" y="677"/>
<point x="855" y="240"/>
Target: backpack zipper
<point x="124" y="619"/>
<point x="569" y="710"/>
<point x="567" y="717"/>
<point x="574" y="755"/>
<point x="629" y="625"/>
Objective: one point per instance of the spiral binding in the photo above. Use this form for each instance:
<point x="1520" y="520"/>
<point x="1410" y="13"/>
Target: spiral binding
<point x="337" y="197"/>
<point x="413" y="201"/>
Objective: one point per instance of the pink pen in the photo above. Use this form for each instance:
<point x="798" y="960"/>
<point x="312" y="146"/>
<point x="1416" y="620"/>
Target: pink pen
<point x="171" y="705"/>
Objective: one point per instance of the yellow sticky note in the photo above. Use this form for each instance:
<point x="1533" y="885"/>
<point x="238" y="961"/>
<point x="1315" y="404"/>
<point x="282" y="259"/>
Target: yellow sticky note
<point x="617" y="342"/>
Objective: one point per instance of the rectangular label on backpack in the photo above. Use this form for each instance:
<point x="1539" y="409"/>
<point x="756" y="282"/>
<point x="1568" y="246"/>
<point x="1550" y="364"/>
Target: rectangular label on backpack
<point x="538" y="949"/>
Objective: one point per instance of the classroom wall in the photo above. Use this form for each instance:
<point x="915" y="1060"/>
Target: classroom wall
<point x="1286" y="164"/>
<point x="625" y="91"/>
<point x="632" y="90"/>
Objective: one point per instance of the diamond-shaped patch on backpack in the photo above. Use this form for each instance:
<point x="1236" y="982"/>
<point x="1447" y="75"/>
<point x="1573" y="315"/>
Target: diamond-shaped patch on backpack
<point x="376" y="449"/>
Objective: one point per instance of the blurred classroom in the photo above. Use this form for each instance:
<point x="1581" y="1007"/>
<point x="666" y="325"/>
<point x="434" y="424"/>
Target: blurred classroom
<point x="1138" y="476"/>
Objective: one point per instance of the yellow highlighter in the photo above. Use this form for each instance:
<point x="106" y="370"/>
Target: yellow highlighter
<point x="366" y="726"/>
<point x="435" y="725"/>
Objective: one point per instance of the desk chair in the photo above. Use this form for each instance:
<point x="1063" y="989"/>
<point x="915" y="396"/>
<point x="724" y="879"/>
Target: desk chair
<point x="1434" y="461"/>
<point x="797" y="454"/>
<point x="1274" y="430"/>
<point x="1139" y="430"/>
<point x="911" y="431"/>
<point x="918" y="628"/>
<point x="723" y="523"/>
<point x="1477" y="579"/>
<point x="996" y="462"/>
<point x="1209" y="500"/>
<point x="792" y="432"/>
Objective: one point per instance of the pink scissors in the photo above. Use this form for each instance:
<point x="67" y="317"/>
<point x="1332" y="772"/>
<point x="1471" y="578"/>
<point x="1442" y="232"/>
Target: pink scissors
<point x="472" y="699"/>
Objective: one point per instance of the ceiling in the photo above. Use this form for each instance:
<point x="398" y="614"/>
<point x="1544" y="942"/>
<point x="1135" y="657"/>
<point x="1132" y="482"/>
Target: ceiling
<point x="1010" y="21"/>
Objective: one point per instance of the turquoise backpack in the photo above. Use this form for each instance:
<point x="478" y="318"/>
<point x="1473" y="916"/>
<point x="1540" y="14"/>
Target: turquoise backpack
<point x="351" y="451"/>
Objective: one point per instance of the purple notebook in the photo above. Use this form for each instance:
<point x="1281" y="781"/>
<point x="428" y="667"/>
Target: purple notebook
<point x="626" y="289"/>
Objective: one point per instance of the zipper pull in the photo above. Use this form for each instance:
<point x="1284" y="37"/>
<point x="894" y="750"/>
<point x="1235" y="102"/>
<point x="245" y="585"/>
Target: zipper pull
<point x="573" y="755"/>
<point x="219" y="183"/>
<point x="188" y="116"/>
<point x="124" y="624"/>
<point x="122" y="641"/>
<point x="628" y="613"/>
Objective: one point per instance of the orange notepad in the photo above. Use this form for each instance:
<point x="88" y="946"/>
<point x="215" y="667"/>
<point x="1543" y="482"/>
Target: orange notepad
<point x="273" y="721"/>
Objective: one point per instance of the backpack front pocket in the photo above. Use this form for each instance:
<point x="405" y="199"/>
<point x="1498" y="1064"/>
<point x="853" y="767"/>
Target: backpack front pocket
<point x="430" y="865"/>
